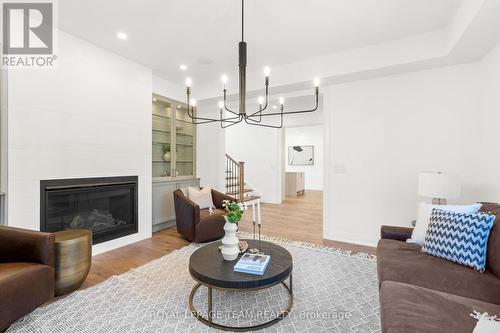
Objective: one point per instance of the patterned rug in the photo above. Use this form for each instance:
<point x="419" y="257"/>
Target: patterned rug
<point x="334" y="291"/>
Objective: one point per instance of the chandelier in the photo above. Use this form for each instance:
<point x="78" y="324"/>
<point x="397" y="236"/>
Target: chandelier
<point x="251" y="118"/>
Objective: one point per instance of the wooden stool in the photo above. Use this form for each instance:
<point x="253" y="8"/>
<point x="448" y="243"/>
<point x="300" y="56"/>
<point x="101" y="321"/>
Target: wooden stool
<point x="73" y="259"/>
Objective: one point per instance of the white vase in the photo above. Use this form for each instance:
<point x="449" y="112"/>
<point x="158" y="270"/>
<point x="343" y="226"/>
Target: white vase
<point x="166" y="156"/>
<point x="230" y="243"/>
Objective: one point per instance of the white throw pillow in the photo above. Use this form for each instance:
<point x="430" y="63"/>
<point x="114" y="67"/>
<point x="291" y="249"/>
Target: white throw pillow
<point x="424" y="216"/>
<point x="202" y="198"/>
<point x="486" y="323"/>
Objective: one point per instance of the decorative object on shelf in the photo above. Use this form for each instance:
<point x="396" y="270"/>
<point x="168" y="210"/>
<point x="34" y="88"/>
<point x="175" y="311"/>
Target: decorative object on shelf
<point x="164" y="173"/>
<point x="252" y="118"/>
<point x="230" y="243"/>
<point x="301" y="155"/>
<point x="439" y="186"/>
<point x="165" y="148"/>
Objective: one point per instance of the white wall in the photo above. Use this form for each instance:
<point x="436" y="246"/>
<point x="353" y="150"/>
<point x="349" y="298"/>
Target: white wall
<point x="168" y="89"/>
<point x="260" y="149"/>
<point x="489" y="173"/>
<point x="210" y="150"/>
<point x="384" y="131"/>
<point x="88" y="117"/>
<point x="307" y="136"/>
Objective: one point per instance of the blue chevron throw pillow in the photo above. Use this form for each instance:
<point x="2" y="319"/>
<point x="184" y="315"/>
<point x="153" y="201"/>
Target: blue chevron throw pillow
<point x="459" y="237"/>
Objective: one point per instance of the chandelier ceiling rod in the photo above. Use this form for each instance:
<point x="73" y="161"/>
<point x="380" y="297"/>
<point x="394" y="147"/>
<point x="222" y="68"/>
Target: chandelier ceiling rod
<point x="254" y="118"/>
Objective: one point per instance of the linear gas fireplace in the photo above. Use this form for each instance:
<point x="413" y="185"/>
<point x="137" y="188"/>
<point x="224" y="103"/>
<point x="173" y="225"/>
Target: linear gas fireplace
<point x="106" y="206"/>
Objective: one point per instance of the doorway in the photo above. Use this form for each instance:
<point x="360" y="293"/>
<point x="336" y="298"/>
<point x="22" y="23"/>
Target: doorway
<point x="302" y="169"/>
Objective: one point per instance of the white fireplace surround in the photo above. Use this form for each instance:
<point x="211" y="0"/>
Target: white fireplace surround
<point x="90" y="117"/>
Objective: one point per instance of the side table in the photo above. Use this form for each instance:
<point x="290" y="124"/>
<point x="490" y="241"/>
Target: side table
<point x="73" y="259"/>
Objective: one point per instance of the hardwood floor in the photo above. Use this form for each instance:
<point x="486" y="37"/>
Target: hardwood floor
<point x="298" y="218"/>
<point x="121" y="260"/>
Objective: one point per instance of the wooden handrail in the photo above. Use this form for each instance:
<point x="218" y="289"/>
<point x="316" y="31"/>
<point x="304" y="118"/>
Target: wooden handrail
<point x="231" y="159"/>
<point x="235" y="177"/>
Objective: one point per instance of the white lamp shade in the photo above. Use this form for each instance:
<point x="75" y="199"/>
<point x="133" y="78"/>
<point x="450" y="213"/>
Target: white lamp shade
<point x="438" y="185"/>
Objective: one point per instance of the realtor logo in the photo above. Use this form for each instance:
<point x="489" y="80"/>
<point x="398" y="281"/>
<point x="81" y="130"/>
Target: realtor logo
<point x="28" y="35"/>
<point x="27" y="28"/>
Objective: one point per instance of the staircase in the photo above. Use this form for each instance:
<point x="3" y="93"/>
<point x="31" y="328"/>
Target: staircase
<point x="235" y="181"/>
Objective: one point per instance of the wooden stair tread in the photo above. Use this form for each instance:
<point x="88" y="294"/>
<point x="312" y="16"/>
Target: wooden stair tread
<point x="250" y="198"/>
<point x="238" y="192"/>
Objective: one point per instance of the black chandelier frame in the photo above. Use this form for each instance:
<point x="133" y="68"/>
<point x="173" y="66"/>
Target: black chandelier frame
<point x="255" y="118"/>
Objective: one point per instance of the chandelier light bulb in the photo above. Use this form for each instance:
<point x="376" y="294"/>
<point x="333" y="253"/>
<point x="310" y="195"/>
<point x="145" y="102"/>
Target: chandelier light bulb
<point x="193" y="102"/>
<point x="189" y="82"/>
<point x="260" y="100"/>
<point x="316" y="82"/>
<point x="221" y="105"/>
<point x="267" y="71"/>
<point x="282" y="100"/>
<point x="224" y="79"/>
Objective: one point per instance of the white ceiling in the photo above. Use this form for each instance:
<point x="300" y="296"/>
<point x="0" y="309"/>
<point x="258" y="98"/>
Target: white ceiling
<point x="204" y="33"/>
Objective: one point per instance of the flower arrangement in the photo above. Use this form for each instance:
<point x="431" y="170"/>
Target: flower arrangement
<point x="234" y="211"/>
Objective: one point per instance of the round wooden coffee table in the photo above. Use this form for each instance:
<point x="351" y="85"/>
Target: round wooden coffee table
<point x="209" y="269"/>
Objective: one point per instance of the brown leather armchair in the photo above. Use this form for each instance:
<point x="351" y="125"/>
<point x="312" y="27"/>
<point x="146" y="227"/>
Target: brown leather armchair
<point x="26" y="272"/>
<point x="195" y="224"/>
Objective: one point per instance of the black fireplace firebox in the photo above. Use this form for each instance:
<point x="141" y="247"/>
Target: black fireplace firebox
<point x="106" y="206"/>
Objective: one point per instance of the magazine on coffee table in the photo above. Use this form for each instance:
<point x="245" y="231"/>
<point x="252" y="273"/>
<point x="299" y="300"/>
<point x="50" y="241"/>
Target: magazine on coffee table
<point x="252" y="264"/>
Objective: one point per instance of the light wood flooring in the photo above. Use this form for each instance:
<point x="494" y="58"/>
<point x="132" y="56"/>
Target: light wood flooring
<point x="298" y="218"/>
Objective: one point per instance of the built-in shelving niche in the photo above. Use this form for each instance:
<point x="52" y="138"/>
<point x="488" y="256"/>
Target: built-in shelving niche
<point x="172" y="126"/>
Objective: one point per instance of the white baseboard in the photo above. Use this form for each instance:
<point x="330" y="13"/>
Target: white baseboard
<point x="359" y="239"/>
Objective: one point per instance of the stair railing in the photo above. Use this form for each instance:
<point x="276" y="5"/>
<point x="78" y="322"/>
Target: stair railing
<point x="235" y="178"/>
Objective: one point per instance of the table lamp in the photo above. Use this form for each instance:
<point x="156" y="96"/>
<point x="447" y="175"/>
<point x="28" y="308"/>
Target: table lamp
<point x="439" y="186"/>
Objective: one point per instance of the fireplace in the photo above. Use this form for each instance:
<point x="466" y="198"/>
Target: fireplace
<point x="106" y="206"/>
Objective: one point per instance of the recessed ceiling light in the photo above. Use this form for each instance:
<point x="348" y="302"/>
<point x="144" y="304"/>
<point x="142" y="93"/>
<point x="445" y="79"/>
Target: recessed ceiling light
<point x="154" y="99"/>
<point x="178" y="106"/>
<point x="122" y="35"/>
<point x="183" y="67"/>
<point x="274" y="106"/>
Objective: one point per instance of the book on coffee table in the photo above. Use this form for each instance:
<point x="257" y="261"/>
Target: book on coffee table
<point x="252" y="264"/>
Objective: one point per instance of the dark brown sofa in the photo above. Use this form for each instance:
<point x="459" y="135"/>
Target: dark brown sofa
<point x="421" y="293"/>
<point x="26" y="272"/>
<point x="195" y="224"/>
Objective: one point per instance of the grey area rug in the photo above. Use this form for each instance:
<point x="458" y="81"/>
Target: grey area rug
<point x="334" y="291"/>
